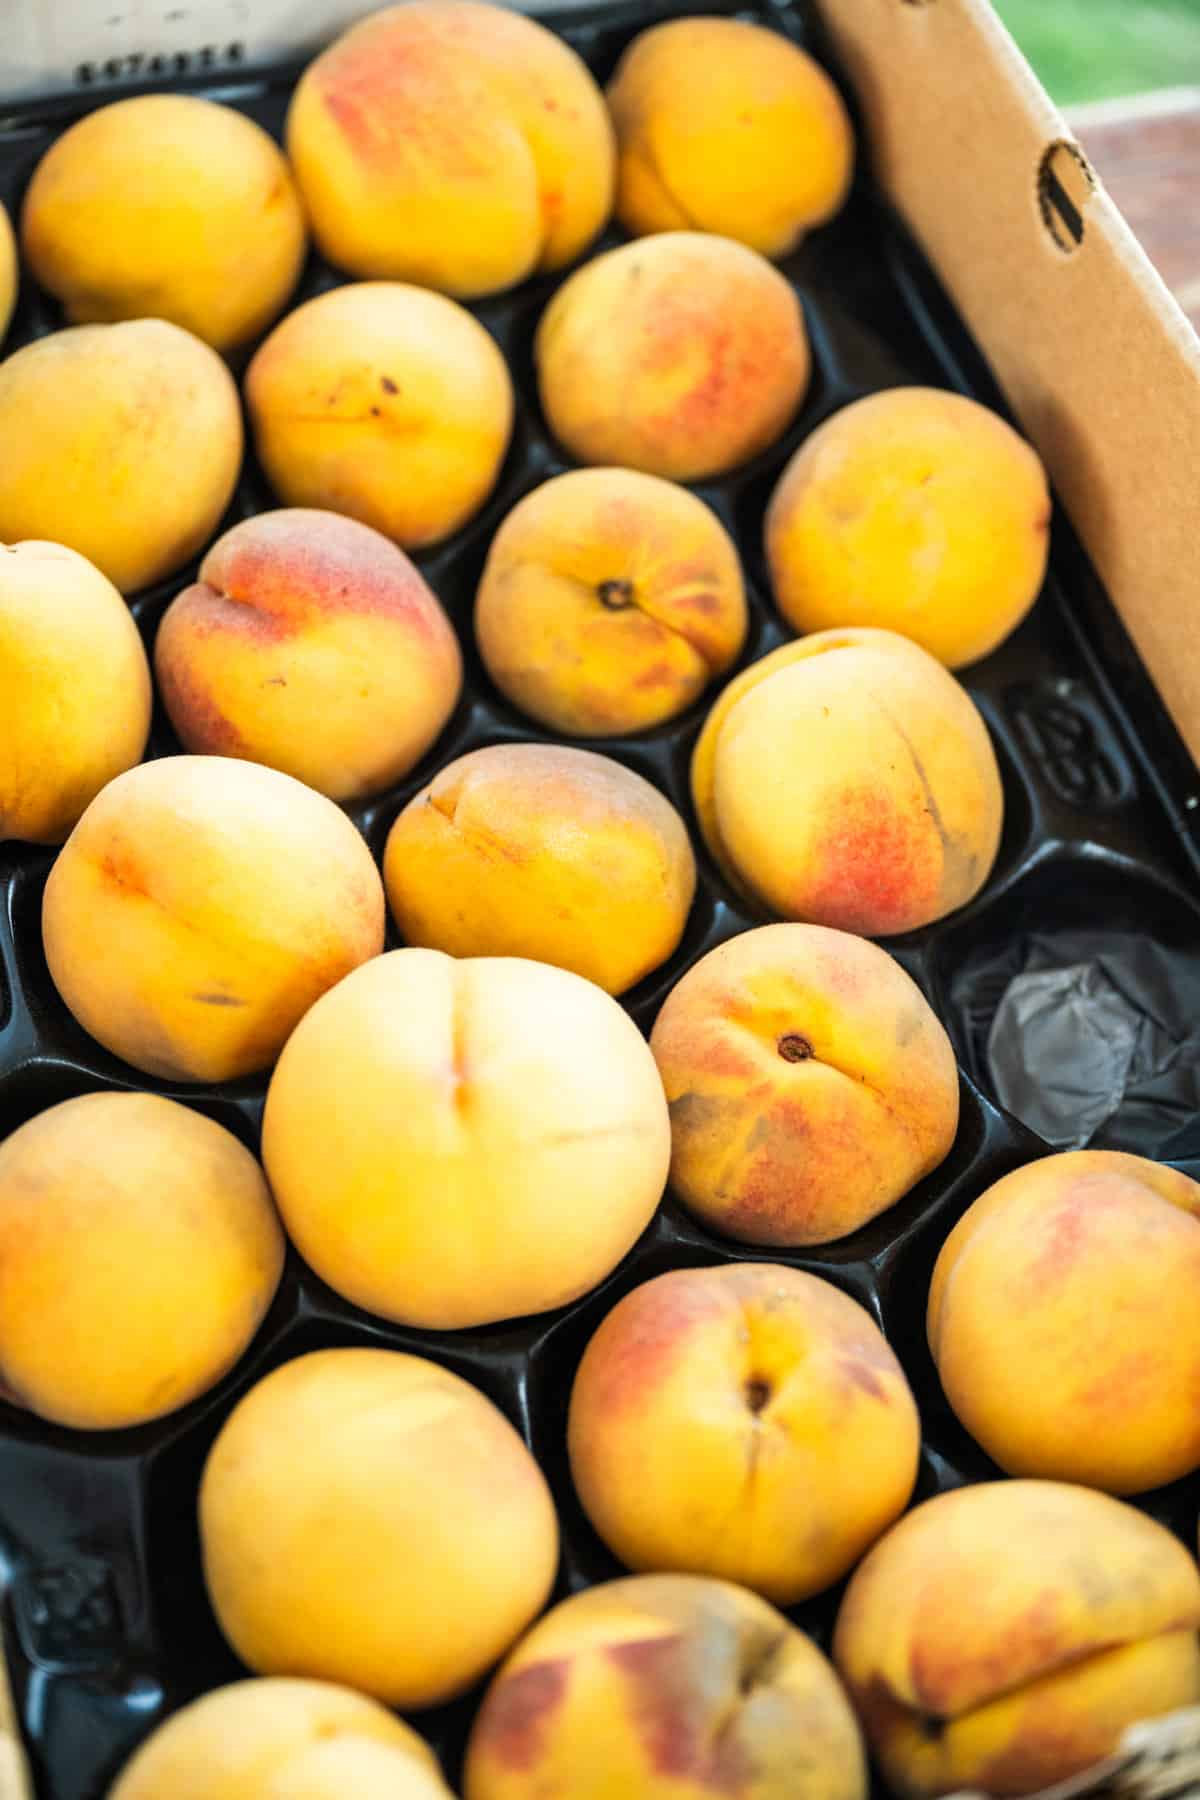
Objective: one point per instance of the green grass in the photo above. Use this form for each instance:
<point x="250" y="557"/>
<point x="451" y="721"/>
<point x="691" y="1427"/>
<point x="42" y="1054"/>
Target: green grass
<point x="1097" y="49"/>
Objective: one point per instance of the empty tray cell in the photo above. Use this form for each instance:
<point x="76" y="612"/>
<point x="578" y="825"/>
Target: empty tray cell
<point x="1074" y="999"/>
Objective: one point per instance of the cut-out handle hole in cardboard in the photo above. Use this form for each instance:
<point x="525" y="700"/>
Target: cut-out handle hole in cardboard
<point x="1064" y="187"/>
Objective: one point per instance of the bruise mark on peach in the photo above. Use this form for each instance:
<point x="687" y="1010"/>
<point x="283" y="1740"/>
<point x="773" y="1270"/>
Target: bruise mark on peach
<point x="516" y="1716"/>
<point x="665" y="1706"/>
<point x="908" y="1026"/>
<point x="119" y="868"/>
<point x="860" y="1375"/>
<point x="708" y="605"/>
<point x="218" y="1000"/>
<point x="659" y="674"/>
<point x="959" y="864"/>
<point x="692" y="1114"/>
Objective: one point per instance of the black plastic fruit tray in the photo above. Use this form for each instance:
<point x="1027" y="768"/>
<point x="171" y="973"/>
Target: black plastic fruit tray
<point x="105" y="1616"/>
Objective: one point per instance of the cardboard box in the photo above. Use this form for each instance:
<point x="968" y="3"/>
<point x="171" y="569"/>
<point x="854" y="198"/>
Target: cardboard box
<point x="1095" y="357"/>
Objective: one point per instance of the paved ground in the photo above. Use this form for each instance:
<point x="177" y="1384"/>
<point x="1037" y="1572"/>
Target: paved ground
<point x="1147" y="153"/>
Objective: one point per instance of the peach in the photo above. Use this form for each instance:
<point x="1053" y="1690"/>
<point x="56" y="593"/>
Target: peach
<point x="405" y="1557"/>
<point x="453" y="1143"/>
<point x="139" y="1251"/>
<point x="539" y="851"/>
<point x="453" y="144"/>
<point x="312" y="644"/>
<point x="609" y="601"/>
<point x="171" y="206"/>
<point x="279" y="1738"/>
<point x="809" y="1081"/>
<point x="8" y="272"/>
<point x="848" y="780"/>
<point x="121" y="441"/>
<point x="727" y="127"/>
<point x="681" y="355"/>
<point x="385" y="402"/>
<point x="74" y="689"/>
<point x="747" y="1421"/>
<point x="670" y="1687"/>
<point x="199" y="908"/>
<point x="1018" y="1288"/>
<point x="917" y="511"/>
<point x="1002" y="1637"/>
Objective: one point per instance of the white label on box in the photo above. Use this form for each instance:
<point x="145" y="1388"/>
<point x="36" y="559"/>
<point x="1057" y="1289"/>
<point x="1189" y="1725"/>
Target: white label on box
<point x="56" y="46"/>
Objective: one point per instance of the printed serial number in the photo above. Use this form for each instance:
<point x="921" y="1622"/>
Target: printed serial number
<point x="162" y="62"/>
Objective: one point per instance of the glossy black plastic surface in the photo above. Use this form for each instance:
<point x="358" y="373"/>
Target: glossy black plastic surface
<point x="104" y="1609"/>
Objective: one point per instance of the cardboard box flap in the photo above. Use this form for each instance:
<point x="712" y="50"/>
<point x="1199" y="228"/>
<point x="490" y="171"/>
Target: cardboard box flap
<point x="1097" y="360"/>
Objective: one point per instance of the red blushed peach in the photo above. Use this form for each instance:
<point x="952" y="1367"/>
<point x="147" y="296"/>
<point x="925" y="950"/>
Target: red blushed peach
<point x="681" y="355"/>
<point x="809" y="1081"/>
<point x="609" y="601"/>
<point x="665" y="1687"/>
<point x="848" y="780"/>
<point x="747" y="1421"/>
<point x="310" y="643"/>
<point x="454" y="144"/>
<point x="1001" y="1637"/>
<point x="1017" y="1292"/>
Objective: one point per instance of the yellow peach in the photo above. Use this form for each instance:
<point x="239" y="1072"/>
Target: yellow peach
<point x="848" y="780"/>
<point x="1001" y="1637"/>
<point x="139" y="1251"/>
<point x="809" y="1081"/>
<point x="74" y="689"/>
<point x="385" y="402"/>
<point x="1017" y="1290"/>
<point x="121" y="441"/>
<point x="681" y="355"/>
<point x="8" y="272"/>
<point x="310" y="643"/>
<point x="198" y="909"/>
<point x="916" y="511"/>
<point x="539" y="851"/>
<point x="747" y="1421"/>
<point x="609" y="601"/>
<point x="166" y="206"/>
<point x="452" y="1143"/>
<point x="453" y="144"/>
<point x="668" y="1687"/>
<point x="405" y="1557"/>
<point x="728" y="127"/>
<point x="280" y="1738"/>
